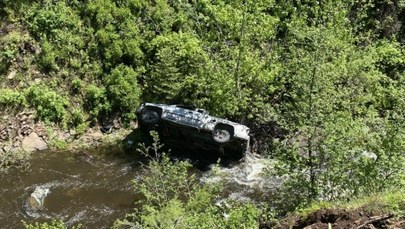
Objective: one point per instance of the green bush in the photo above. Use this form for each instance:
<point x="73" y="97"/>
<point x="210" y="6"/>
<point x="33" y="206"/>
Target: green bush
<point x="175" y="199"/>
<point x="18" y="160"/>
<point x="48" y="56"/>
<point x="9" y="48"/>
<point x="123" y="90"/>
<point x="48" y="18"/>
<point x="49" y="105"/>
<point x="96" y="101"/>
<point x="11" y="98"/>
<point x="54" y="224"/>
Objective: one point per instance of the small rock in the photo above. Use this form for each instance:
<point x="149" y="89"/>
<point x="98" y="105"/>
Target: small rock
<point x="96" y="135"/>
<point x="16" y="144"/>
<point x="12" y="133"/>
<point x="6" y="148"/>
<point x="3" y="134"/>
<point x="117" y="124"/>
<point x="24" y="118"/>
<point x="25" y="130"/>
<point x="72" y="132"/>
<point x="133" y="124"/>
<point x="32" y="143"/>
<point x="11" y="75"/>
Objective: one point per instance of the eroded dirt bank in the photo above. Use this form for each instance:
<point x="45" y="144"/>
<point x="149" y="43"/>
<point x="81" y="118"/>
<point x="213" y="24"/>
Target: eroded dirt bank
<point x="340" y="219"/>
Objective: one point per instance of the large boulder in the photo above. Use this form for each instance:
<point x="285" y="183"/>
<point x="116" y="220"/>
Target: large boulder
<point x="33" y="142"/>
<point x="34" y="203"/>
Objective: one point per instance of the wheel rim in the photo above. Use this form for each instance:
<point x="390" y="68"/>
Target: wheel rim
<point x="221" y="135"/>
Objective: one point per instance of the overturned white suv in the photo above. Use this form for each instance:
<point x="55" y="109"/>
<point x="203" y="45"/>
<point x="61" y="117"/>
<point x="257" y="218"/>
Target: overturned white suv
<point x="193" y="128"/>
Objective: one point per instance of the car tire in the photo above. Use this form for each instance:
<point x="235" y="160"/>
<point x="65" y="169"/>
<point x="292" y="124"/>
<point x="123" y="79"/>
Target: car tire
<point x="222" y="134"/>
<point x="149" y="116"/>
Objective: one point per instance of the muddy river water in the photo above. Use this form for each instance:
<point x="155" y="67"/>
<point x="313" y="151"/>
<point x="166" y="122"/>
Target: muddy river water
<point x="96" y="190"/>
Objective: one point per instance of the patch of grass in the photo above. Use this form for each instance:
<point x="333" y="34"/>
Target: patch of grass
<point x="379" y="203"/>
<point x="18" y="160"/>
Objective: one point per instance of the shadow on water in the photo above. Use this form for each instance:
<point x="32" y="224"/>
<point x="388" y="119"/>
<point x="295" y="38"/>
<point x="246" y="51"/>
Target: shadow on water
<point x="200" y="159"/>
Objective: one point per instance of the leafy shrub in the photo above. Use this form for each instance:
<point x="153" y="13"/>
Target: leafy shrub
<point x="177" y="68"/>
<point x="77" y="117"/>
<point x="49" y="105"/>
<point x="78" y="121"/>
<point x="117" y="37"/>
<point x="77" y="85"/>
<point x="123" y="90"/>
<point x="47" y="58"/>
<point x="9" y="48"/>
<point x="96" y="101"/>
<point x="175" y="199"/>
<point x="48" y="18"/>
<point x="11" y="98"/>
<point x="54" y="224"/>
<point x="18" y="160"/>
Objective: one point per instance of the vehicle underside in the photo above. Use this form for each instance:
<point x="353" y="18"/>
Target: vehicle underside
<point x="190" y="139"/>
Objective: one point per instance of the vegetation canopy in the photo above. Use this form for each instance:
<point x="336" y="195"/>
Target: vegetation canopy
<point x="320" y="83"/>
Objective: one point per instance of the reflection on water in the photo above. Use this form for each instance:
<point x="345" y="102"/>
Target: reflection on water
<point x="82" y="189"/>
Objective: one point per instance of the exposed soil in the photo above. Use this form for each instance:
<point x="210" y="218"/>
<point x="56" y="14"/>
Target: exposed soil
<point x="339" y="219"/>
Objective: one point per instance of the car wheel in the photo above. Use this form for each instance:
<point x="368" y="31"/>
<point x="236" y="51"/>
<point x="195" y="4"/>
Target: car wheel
<point x="222" y="134"/>
<point x="149" y="117"/>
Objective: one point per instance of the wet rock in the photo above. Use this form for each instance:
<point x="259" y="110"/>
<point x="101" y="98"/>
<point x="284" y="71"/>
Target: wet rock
<point x="85" y="157"/>
<point x="33" y="142"/>
<point x="34" y="203"/>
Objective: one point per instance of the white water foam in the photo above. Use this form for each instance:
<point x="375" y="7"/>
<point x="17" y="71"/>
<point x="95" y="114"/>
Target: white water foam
<point x="245" y="181"/>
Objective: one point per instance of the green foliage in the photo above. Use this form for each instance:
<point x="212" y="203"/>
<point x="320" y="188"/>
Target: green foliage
<point x="329" y="74"/>
<point x="376" y="204"/>
<point x="338" y="126"/>
<point x="123" y="90"/>
<point x="11" y="98"/>
<point x="14" y="159"/>
<point x="175" y="199"/>
<point x="96" y="100"/>
<point x="177" y="69"/>
<point x="10" y="44"/>
<point x="48" y="57"/>
<point x="55" y="224"/>
<point x="49" y="105"/>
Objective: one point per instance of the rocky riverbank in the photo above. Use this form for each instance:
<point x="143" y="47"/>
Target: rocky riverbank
<point x="22" y="132"/>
